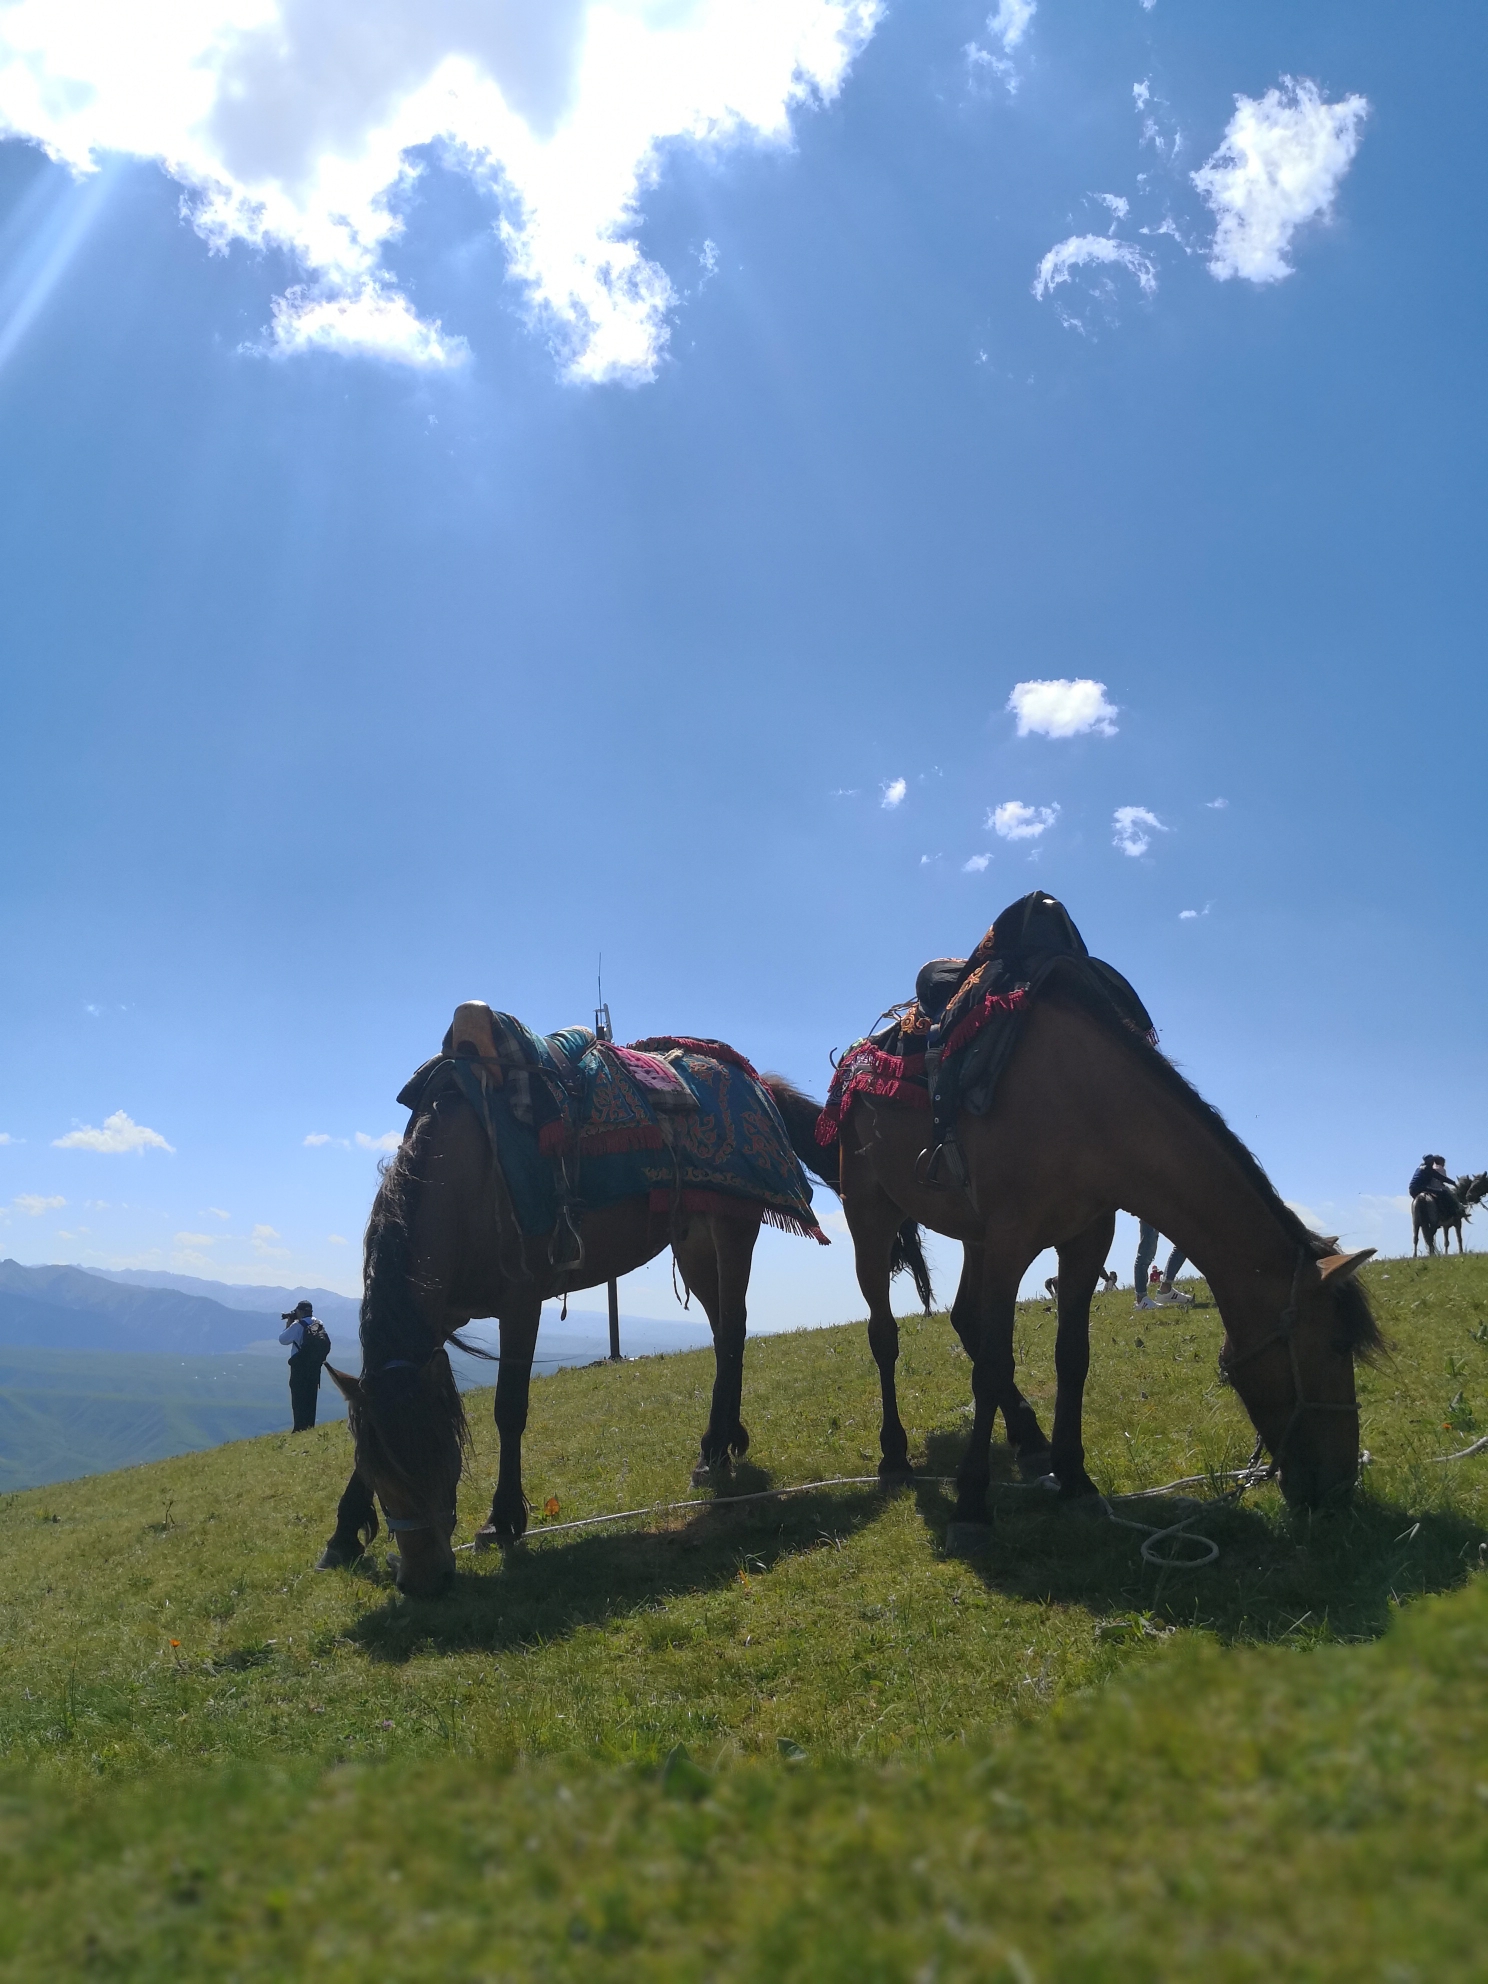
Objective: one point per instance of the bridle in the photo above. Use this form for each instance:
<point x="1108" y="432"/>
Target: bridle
<point x="1285" y="1333"/>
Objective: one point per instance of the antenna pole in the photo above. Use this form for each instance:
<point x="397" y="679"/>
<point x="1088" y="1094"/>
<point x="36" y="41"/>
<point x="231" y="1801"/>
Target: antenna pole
<point x="604" y="1031"/>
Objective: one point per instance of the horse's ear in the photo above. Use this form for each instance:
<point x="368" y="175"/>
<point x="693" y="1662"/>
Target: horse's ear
<point x="350" y="1388"/>
<point x="1339" y="1268"/>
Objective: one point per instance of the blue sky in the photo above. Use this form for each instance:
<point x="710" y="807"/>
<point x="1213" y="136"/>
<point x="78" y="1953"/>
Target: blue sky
<point x="491" y="601"/>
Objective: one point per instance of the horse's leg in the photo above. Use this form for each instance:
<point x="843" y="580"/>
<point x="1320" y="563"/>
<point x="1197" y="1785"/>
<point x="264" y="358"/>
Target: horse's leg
<point x="966" y="1310"/>
<point x="356" y="1521"/>
<point x="1080" y="1263"/>
<point x="874" y="1220"/>
<point x="715" y="1255"/>
<point x="991" y="1383"/>
<point x="508" y="1518"/>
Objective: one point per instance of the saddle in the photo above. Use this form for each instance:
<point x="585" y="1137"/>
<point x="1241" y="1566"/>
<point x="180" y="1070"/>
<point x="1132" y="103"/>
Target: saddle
<point x="947" y="1047"/>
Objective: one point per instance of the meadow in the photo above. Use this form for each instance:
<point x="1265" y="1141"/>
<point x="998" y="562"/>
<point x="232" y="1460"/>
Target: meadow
<point x="792" y="1739"/>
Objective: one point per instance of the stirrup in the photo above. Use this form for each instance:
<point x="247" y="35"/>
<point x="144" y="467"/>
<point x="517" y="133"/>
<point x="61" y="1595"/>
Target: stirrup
<point x="928" y="1163"/>
<point x="566" y="1248"/>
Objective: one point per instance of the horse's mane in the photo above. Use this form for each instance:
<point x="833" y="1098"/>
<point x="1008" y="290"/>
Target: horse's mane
<point x="400" y="1420"/>
<point x="1361" y="1331"/>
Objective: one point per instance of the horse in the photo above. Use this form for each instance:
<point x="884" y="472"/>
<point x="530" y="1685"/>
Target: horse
<point x="1444" y="1212"/>
<point x="1090" y="1117"/>
<point x="440" y="1250"/>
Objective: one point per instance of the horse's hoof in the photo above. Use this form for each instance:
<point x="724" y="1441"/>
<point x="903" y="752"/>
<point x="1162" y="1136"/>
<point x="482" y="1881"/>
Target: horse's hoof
<point x="968" y="1539"/>
<point x="1035" y="1462"/>
<point x="708" y="1472"/>
<point x="489" y="1537"/>
<point x="895" y="1473"/>
<point x="1077" y="1487"/>
<point x="334" y="1559"/>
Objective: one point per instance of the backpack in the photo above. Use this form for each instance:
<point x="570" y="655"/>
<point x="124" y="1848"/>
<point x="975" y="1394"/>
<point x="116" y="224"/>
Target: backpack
<point x="315" y="1344"/>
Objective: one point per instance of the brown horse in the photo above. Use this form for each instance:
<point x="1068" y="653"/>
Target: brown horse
<point x="1089" y="1117"/>
<point x="441" y="1249"/>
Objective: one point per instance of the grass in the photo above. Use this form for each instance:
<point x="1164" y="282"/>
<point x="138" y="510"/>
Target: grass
<point x="897" y="1764"/>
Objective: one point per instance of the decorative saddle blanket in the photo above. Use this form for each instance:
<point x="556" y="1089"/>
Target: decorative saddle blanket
<point x="947" y="1047"/>
<point x="579" y="1123"/>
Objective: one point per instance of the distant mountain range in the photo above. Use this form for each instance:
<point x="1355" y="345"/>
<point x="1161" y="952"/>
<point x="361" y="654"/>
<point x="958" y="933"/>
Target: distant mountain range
<point x="337" y="1312"/>
<point x="59" y="1308"/>
<point x="103" y="1369"/>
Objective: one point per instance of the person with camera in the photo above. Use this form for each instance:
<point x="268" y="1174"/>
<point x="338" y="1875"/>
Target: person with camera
<point x="311" y="1346"/>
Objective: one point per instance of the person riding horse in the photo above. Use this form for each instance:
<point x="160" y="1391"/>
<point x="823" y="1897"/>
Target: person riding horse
<point x="1430" y="1175"/>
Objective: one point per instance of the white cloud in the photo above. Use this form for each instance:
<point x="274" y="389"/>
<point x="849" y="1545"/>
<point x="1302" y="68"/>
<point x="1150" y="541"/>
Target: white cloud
<point x="1119" y="207"/>
<point x="975" y="864"/>
<point x="316" y="1138"/>
<point x="1062" y="709"/>
<point x="1011" y="21"/>
<point x="119" y="1133"/>
<point x="263" y="1238"/>
<point x="218" y="1213"/>
<point x="390" y="1140"/>
<point x="1141" y="94"/>
<point x="1133" y="828"/>
<point x="894" y="790"/>
<point x="291" y="123"/>
<point x="197" y="1239"/>
<point x="6" y="1138"/>
<point x="1015" y="821"/>
<point x="33" y="1205"/>
<point x="1217" y="805"/>
<point x="1187" y="915"/>
<point x="1082" y="249"/>
<point x="337" y="1239"/>
<point x="1006" y="28"/>
<point x="1282" y="161"/>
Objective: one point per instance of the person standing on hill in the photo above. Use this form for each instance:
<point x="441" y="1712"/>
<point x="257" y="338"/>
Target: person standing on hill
<point x="311" y="1346"/>
<point x="1167" y="1296"/>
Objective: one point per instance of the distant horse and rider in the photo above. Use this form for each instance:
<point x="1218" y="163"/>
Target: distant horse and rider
<point x="1440" y="1204"/>
<point x="1016" y="1104"/>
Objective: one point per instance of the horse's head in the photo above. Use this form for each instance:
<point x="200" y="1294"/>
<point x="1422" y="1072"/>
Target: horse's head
<point x="1297" y="1381"/>
<point x="408" y="1429"/>
<point x="407" y="1422"/>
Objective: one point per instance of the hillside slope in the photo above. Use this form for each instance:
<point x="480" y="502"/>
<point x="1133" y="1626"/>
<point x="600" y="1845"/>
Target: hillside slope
<point x="168" y="1619"/>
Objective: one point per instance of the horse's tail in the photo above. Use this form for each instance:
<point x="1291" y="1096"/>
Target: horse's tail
<point x="908" y="1253"/>
<point x="800" y="1116"/>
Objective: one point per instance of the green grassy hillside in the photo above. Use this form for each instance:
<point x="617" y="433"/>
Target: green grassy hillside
<point x="1055" y="1760"/>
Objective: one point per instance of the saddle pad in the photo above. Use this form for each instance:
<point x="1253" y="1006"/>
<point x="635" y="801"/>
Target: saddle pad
<point x="665" y="1088"/>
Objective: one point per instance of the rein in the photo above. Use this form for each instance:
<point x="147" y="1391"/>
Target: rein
<point x="1285" y="1333"/>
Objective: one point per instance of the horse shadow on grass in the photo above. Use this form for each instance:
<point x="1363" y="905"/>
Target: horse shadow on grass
<point x="545" y="1590"/>
<point x="1280" y="1575"/>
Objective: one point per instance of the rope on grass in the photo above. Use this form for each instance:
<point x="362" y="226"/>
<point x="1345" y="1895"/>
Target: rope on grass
<point x="1462" y="1453"/>
<point x="1244" y="1477"/>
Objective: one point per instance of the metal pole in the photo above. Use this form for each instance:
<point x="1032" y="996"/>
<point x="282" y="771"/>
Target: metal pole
<point x="614" y="1322"/>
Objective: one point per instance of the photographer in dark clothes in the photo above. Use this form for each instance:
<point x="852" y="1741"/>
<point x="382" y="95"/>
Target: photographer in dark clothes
<point x="311" y="1346"/>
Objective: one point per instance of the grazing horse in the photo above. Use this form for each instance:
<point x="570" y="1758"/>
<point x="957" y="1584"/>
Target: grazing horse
<point x="1089" y="1117"/>
<point x="441" y="1249"/>
<point x="1444" y="1212"/>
